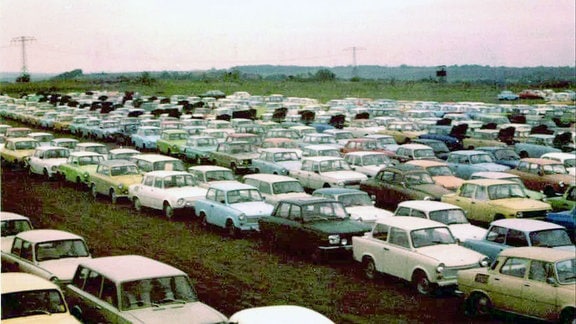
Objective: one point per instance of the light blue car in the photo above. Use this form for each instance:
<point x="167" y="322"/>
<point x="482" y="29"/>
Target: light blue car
<point x="198" y="147"/>
<point x="277" y="161"/>
<point x="145" y="137"/>
<point x="465" y="162"/>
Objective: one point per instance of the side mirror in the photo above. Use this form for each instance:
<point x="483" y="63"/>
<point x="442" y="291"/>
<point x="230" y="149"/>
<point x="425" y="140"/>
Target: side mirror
<point x="551" y="281"/>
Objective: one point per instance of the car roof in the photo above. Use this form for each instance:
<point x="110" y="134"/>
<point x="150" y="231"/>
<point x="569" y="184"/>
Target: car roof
<point x="117" y="162"/>
<point x="205" y="168"/>
<point x="322" y="158"/>
<point x="280" y="314"/>
<point x="322" y="147"/>
<point x="488" y="182"/>
<point x="21" y="281"/>
<point x="152" y="157"/>
<point x="409" y="223"/>
<point x="84" y="144"/>
<point x="46" y="235"/>
<point x="494" y="175"/>
<point x="540" y="161"/>
<point x="121" y="268"/>
<point x="337" y="191"/>
<point x="266" y="177"/>
<point x="124" y="150"/>
<point x="364" y="153"/>
<point x="48" y="147"/>
<point x="525" y="225"/>
<point x="426" y="163"/>
<point x="84" y="153"/>
<point x="306" y="200"/>
<point x="468" y="152"/>
<point x="230" y="185"/>
<point x="277" y="150"/>
<point x="559" y="155"/>
<point x="6" y="216"/>
<point x="427" y="205"/>
<point x="165" y="173"/>
<point x="415" y="146"/>
<point x="404" y="167"/>
<point x="20" y="139"/>
<point x="538" y="253"/>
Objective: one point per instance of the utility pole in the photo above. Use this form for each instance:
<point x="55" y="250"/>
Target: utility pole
<point x="354" y="65"/>
<point x="23" y="40"/>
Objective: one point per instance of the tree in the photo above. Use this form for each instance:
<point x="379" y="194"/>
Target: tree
<point x="324" y="75"/>
<point x="23" y="78"/>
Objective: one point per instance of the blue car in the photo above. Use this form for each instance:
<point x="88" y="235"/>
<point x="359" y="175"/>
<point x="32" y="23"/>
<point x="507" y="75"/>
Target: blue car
<point x="145" y="137"/>
<point x="465" y="162"/>
<point x="566" y="218"/>
<point x="277" y="161"/>
<point x="502" y="155"/>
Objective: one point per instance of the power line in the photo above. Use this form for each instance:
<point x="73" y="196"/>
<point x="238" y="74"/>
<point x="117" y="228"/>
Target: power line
<point x="354" y="65"/>
<point x="23" y="40"/>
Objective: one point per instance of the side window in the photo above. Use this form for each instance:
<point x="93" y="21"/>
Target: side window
<point x="211" y="194"/>
<point x="467" y="190"/>
<point x="516" y="238"/>
<point x="109" y="293"/>
<point x="17" y="246"/>
<point x="402" y="211"/>
<point x="533" y="168"/>
<point x="538" y="270"/>
<point x="497" y="235"/>
<point x="387" y="176"/>
<point x="265" y="188"/>
<point x="149" y="181"/>
<point x="219" y="196"/>
<point x="26" y="252"/>
<point x="399" y="237"/>
<point x="515" y="267"/>
<point x="296" y="213"/>
<point x="80" y="277"/>
<point x="417" y="213"/>
<point x="380" y="232"/>
<point x="93" y="283"/>
<point x="523" y="166"/>
<point x="158" y="182"/>
<point x="283" y="210"/>
<point x="481" y="193"/>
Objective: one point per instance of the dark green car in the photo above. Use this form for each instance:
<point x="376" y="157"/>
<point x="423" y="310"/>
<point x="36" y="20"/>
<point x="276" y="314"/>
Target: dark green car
<point x="313" y="226"/>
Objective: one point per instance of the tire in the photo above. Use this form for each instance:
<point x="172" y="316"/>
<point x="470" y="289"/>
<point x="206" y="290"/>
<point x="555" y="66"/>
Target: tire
<point x="523" y="154"/>
<point x="203" y="220"/>
<point x="46" y="174"/>
<point x="316" y="256"/>
<point x="168" y="211"/>
<point x="137" y="205"/>
<point x="93" y="191"/>
<point x="78" y="183"/>
<point x="231" y="230"/>
<point x="549" y="191"/>
<point x="234" y="168"/>
<point x="568" y="316"/>
<point x="113" y="196"/>
<point x="369" y="268"/>
<point x="421" y="283"/>
<point x="478" y="305"/>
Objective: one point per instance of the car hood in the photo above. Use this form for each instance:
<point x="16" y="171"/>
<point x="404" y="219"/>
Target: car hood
<point x="465" y="232"/>
<point x="452" y="255"/>
<point x="489" y="166"/>
<point x="290" y="165"/>
<point x="245" y="155"/>
<point x="372" y="169"/>
<point x="205" y="149"/>
<point x="345" y="226"/>
<point x="289" y="195"/>
<point x="128" y="179"/>
<point x="56" y="161"/>
<point x="448" y="182"/>
<point x="367" y="213"/>
<point x="186" y="192"/>
<point x="434" y="190"/>
<point x="64" y="269"/>
<point x="520" y="204"/>
<point x="195" y="312"/>
<point x="571" y="248"/>
<point x="254" y="208"/>
<point x="345" y="175"/>
<point x="56" y="318"/>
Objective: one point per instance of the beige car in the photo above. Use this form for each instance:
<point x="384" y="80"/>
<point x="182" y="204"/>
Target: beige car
<point x="440" y="172"/>
<point x="17" y="149"/>
<point x="536" y="282"/>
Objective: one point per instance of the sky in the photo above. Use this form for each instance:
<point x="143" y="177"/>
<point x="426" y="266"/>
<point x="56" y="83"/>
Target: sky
<point x="185" y="35"/>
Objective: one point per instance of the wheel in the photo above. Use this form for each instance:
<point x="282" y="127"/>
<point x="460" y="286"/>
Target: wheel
<point x="421" y="283"/>
<point x="137" y="205"/>
<point x="168" y="210"/>
<point x="369" y="267"/>
<point x="46" y="175"/>
<point x="168" y="152"/>
<point x="78" y="183"/>
<point x="231" y="230"/>
<point x="478" y="305"/>
<point x="234" y="168"/>
<point x="316" y="256"/>
<point x="549" y="191"/>
<point x="113" y="196"/>
<point x="523" y="154"/>
<point x="568" y="316"/>
<point x="93" y="191"/>
<point x="203" y="220"/>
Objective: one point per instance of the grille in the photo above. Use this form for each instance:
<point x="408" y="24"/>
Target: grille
<point x="450" y="273"/>
<point x="534" y="214"/>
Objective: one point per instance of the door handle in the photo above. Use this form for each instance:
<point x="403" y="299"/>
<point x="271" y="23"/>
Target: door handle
<point x="526" y="285"/>
<point x="386" y="249"/>
<point x="497" y="279"/>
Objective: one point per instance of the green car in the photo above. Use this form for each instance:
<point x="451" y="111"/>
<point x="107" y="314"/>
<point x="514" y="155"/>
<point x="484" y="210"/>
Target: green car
<point x="112" y="178"/>
<point x="78" y="167"/>
<point x="237" y="156"/>
<point x="565" y="202"/>
<point x="171" y="140"/>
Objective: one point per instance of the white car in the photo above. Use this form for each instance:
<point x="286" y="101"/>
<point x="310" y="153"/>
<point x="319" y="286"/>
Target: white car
<point x="279" y="314"/>
<point x="452" y="216"/>
<point x="122" y="153"/>
<point x="169" y="191"/>
<point x="368" y="162"/>
<point x="135" y="289"/>
<point x="357" y="203"/>
<point x="417" y="250"/>
<point x="275" y="187"/>
<point x="568" y="159"/>
<point x="47" y="159"/>
<point x="12" y="224"/>
<point x="207" y="175"/>
<point x="327" y="171"/>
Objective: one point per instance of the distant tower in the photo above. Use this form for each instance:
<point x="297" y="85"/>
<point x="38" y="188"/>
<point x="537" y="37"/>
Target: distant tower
<point x="441" y="74"/>
<point x="23" y="40"/>
<point x="354" y="65"/>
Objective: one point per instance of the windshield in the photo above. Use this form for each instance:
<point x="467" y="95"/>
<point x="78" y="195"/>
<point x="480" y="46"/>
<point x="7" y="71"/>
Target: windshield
<point x="180" y="180"/>
<point x="439" y="171"/>
<point x="424" y="153"/>
<point x="504" y="191"/>
<point x="61" y="249"/>
<point x="417" y="178"/>
<point x="449" y="216"/>
<point x="565" y="269"/>
<point x="286" y="156"/>
<point x="480" y="158"/>
<point x="243" y="195"/>
<point x="56" y="154"/>
<point x="570" y="163"/>
<point x="89" y="160"/>
<point x="333" y="165"/>
<point x="169" y="166"/>
<point x="97" y="149"/>
<point x="431" y="236"/>
<point x="550" y="238"/>
<point x="152" y="132"/>
<point x="204" y="142"/>
<point x="375" y="159"/>
<point x="506" y="155"/>
<point x="287" y="187"/>
<point x="323" y="211"/>
<point x="156" y="291"/>
<point x="219" y="175"/>
<point x="123" y="170"/>
<point x="355" y="199"/>
<point x="35" y="302"/>
<point x="14" y="227"/>
<point x="554" y="169"/>
<point x="27" y="145"/>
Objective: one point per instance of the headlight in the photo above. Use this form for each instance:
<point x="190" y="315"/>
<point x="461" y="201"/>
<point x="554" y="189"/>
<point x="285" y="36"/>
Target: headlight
<point x="85" y="175"/>
<point x="343" y="241"/>
<point x="54" y="168"/>
<point x="174" y="147"/>
<point x="180" y="201"/>
<point x="484" y="262"/>
<point x="519" y="215"/>
<point x="120" y="186"/>
<point x="440" y="267"/>
<point x="340" y="183"/>
<point x="242" y="217"/>
<point x="284" y="171"/>
<point x="334" y="239"/>
<point x="427" y="198"/>
<point x="561" y="184"/>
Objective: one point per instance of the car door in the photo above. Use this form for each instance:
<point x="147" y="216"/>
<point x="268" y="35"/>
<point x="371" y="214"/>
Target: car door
<point x="508" y="284"/>
<point x="538" y="296"/>
<point x="397" y="253"/>
<point x="466" y="200"/>
<point x="146" y="190"/>
<point x="87" y="300"/>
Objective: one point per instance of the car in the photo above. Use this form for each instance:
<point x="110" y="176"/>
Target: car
<point x="145" y="137"/>
<point x="452" y="216"/>
<point x="275" y="187"/>
<point x="386" y="142"/>
<point x="62" y="122"/>
<point x="17" y="132"/>
<point x="234" y="206"/>
<point x="568" y="159"/>
<point x="394" y="184"/>
<point x="253" y="139"/>
<point x="78" y="166"/>
<point x="279" y="314"/>
<point x="28" y="298"/>
<point x="168" y="191"/>
<point x="566" y="218"/>
<point x="440" y="172"/>
<point x="12" y="224"/>
<point x="46" y="160"/>
<point x="536" y="145"/>
<point x="364" y="144"/>
<point x="506" y="233"/>
<point x="112" y="178"/>
<point x="76" y="122"/>
<point x="537" y="195"/>
<point x="565" y="202"/>
<point x="16" y="150"/>
<point x="507" y="95"/>
<point x="362" y="127"/>
<point x="43" y="138"/>
<point x="486" y="200"/>
<point x="440" y="148"/>
<point x="155" y="162"/>
<point x="402" y="131"/>
<point x="109" y="290"/>
<point x="209" y="174"/>
<point x="483" y="137"/>
<point x="368" y="162"/>
<point x="326" y="171"/>
<point x="465" y="162"/>
<point x="413" y="151"/>
<point x="106" y="130"/>
<point x="48" y="253"/>
<point x="171" y="141"/>
<point x="281" y="142"/>
<point x="320" y="150"/>
<point x="276" y="161"/>
<point x="421" y="251"/>
<point x="357" y="203"/>
<point x="122" y="153"/>
<point x="237" y="156"/>
<point x="69" y="143"/>
<point x="502" y="155"/>
<point x="92" y="147"/>
<point x="530" y="281"/>
<point x="198" y="147"/>
<point x="319" y="139"/>
<point x="531" y="94"/>
<point x="548" y="176"/>
<point x="317" y="227"/>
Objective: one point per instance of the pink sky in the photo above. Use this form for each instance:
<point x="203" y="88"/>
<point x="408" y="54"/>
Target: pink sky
<point x="156" y="35"/>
